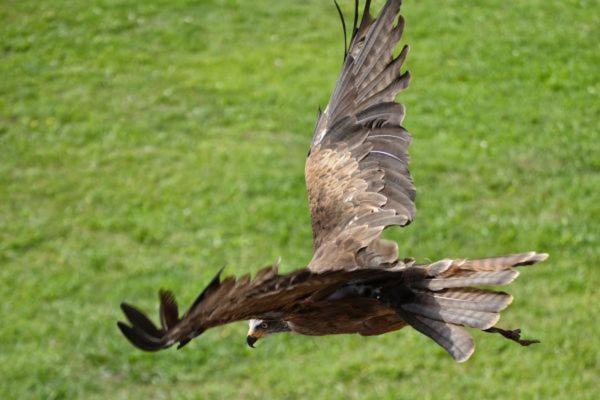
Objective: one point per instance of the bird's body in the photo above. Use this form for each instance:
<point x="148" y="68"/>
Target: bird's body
<point x="358" y="184"/>
<point x="353" y="314"/>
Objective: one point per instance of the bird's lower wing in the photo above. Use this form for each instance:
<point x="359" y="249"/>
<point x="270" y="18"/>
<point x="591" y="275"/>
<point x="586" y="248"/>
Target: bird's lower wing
<point x="269" y="294"/>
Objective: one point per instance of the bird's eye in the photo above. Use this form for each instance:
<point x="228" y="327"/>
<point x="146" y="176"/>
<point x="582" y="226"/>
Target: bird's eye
<point x="264" y="325"/>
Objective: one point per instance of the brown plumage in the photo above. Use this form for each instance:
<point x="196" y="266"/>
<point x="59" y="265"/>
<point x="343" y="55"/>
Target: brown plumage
<point x="358" y="184"/>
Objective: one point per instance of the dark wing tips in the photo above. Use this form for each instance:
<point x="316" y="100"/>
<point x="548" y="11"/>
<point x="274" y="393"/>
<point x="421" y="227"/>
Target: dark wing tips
<point x="366" y="15"/>
<point x="142" y="333"/>
<point x="140" y="339"/>
<point x="140" y="321"/>
<point x="355" y="22"/>
<point x="214" y="283"/>
<point x="169" y="311"/>
<point x="365" y="21"/>
<point x="341" y="14"/>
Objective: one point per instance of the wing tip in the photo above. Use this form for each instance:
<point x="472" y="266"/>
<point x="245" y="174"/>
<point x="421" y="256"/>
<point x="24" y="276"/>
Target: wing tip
<point x="140" y="339"/>
<point x="140" y="321"/>
<point x="141" y="331"/>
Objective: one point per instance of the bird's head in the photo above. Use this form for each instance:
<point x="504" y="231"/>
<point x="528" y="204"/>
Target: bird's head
<point x="259" y="328"/>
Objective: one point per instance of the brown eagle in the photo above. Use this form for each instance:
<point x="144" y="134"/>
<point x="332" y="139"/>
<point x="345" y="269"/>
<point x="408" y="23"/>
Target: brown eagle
<point x="358" y="184"/>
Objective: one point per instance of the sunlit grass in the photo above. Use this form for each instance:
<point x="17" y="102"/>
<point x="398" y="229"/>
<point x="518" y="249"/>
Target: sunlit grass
<point x="146" y="144"/>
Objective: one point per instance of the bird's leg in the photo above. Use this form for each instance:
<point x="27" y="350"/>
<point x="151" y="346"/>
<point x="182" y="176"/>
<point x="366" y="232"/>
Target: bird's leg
<point x="514" y="335"/>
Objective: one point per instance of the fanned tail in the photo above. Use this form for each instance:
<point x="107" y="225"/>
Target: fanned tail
<point x="439" y="300"/>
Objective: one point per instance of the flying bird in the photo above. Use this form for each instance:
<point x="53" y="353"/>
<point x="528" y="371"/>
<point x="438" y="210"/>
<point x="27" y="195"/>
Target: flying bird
<point x="358" y="184"/>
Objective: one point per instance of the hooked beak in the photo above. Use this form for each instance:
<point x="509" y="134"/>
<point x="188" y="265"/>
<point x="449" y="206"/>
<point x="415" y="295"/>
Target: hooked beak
<point x="251" y="340"/>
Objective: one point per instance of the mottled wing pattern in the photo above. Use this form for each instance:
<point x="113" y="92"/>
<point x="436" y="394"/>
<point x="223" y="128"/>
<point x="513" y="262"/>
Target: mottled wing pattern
<point x="357" y="170"/>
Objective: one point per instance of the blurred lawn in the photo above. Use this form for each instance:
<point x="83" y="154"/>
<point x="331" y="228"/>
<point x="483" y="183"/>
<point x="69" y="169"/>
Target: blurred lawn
<point x="144" y="144"/>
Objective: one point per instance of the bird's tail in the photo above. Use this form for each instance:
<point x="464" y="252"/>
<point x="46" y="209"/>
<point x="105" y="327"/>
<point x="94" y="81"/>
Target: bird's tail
<point x="440" y="299"/>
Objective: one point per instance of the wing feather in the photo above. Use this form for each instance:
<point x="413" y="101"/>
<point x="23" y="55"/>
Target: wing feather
<point x="234" y="299"/>
<point x="357" y="171"/>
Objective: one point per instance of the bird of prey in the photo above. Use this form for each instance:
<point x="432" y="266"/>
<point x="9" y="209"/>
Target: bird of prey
<point x="358" y="184"/>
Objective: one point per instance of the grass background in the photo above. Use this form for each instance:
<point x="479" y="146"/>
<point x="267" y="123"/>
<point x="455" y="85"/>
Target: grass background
<point x="144" y="144"/>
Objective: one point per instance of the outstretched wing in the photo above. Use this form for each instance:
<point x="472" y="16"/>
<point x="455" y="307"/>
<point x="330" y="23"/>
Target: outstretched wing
<point x="268" y="295"/>
<point x="357" y="169"/>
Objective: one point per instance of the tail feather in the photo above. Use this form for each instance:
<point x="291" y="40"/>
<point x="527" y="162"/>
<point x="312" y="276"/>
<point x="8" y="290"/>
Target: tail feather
<point x="463" y="279"/>
<point x="498" y="263"/>
<point x="470" y="318"/>
<point x="466" y="298"/>
<point x="442" y="299"/>
<point x="454" y="339"/>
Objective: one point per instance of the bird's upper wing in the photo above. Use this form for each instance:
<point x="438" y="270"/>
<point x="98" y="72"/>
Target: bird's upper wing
<point x="357" y="169"/>
<point x="268" y="295"/>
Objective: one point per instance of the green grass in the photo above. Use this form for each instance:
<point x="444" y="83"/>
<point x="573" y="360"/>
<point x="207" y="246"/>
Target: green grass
<point x="144" y="144"/>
